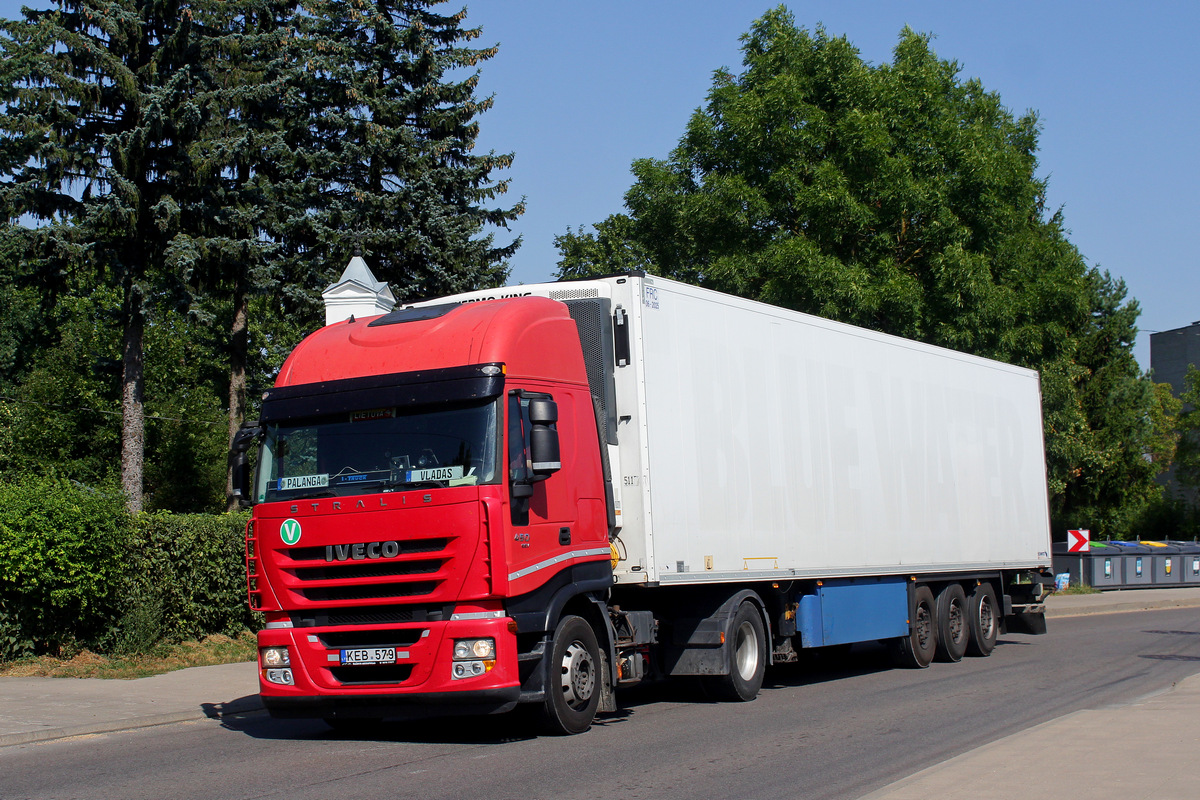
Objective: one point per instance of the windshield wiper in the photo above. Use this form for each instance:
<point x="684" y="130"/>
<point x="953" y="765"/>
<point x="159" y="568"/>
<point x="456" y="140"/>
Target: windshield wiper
<point x="311" y="495"/>
<point x="418" y="484"/>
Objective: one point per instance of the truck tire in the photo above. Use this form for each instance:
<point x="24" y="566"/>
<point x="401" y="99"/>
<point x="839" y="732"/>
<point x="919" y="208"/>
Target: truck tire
<point x="573" y="683"/>
<point x="746" y="640"/>
<point x="983" y="613"/>
<point x="916" y="650"/>
<point x="954" y="627"/>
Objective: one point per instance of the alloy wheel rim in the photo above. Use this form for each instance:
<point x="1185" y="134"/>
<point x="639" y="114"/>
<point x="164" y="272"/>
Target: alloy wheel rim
<point x="746" y="651"/>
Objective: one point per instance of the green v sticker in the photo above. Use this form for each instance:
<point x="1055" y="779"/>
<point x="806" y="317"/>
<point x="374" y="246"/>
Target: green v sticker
<point x="289" y="531"/>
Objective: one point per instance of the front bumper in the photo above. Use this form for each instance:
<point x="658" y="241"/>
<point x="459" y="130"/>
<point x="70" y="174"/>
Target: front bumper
<point x="385" y="706"/>
<point x="420" y="683"/>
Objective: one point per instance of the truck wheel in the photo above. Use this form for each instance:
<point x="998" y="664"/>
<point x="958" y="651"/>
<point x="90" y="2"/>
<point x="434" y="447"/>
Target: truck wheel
<point x="747" y="647"/>
<point x="954" y="629"/>
<point x="573" y="683"/>
<point x="918" y="648"/>
<point x="983" y="614"/>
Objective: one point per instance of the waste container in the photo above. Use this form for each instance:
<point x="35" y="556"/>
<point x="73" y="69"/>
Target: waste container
<point x="1165" y="564"/>
<point x="1137" y="564"/>
<point x="1102" y="565"/>
<point x="1189" y="563"/>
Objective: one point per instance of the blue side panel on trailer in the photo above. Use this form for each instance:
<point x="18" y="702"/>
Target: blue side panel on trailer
<point x="846" y="610"/>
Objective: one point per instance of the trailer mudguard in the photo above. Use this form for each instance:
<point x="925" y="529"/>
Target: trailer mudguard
<point x="1026" y="620"/>
<point x="695" y="645"/>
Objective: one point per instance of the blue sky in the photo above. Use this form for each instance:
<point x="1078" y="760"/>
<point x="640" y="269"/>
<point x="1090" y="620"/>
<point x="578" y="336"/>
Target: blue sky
<point x="583" y="88"/>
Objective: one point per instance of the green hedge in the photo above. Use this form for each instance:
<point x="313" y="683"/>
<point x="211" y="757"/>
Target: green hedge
<point x="188" y="579"/>
<point x="77" y="571"/>
<point x="61" y="553"/>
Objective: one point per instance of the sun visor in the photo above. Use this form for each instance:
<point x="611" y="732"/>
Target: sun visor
<point x="423" y="388"/>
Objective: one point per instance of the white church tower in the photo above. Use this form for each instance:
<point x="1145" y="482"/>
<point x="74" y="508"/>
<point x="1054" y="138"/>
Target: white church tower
<point x="357" y="294"/>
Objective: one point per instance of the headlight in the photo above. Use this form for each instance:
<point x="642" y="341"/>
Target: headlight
<point x="473" y="657"/>
<point x="469" y="649"/>
<point x="274" y="657"/>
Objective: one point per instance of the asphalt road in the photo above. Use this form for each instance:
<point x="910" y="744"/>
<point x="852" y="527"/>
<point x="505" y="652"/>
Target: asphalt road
<point x="833" y="732"/>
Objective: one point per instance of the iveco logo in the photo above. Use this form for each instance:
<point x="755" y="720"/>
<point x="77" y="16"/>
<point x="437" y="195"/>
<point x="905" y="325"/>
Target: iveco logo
<point x="361" y="550"/>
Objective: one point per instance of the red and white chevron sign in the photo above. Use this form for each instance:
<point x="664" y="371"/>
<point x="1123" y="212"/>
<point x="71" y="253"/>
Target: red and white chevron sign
<point x="1079" y="541"/>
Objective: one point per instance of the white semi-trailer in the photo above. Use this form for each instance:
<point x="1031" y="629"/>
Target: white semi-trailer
<point x="680" y="482"/>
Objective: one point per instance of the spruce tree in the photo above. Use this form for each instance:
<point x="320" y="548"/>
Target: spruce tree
<point x="245" y="164"/>
<point x="213" y="157"/>
<point x="385" y="155"/>
<point x="97" y="118"/>
<point x="337" y="127"/>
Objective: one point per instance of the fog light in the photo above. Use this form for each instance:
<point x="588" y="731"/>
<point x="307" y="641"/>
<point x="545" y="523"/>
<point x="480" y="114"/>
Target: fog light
<point x="275" y="657"/>
<point x="283" y="676"/>
<point x="470" y="669"/>
<point x="468" y="649"/>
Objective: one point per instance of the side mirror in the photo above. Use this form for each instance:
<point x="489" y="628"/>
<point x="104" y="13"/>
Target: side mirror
<point x="543" y="438"/>
<point x="239" y="465"/>
<point x="543" y="411"/>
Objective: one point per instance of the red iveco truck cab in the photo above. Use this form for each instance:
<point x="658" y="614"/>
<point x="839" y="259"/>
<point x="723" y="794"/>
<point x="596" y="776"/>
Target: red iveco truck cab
<point x="547" y="493"/>
<point x="404" y="534"/>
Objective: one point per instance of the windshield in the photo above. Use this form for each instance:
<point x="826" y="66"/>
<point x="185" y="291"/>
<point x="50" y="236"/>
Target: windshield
<point x="379" y="450"/>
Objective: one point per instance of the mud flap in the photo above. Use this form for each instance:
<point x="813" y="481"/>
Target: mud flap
<point x="1026" y="619"/>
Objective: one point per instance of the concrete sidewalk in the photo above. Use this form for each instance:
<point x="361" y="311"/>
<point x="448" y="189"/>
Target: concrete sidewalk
<point x="39" y="709"/>
<point x="1162" y="734"/>
<point x="1165" y="729"/>
<point x="1074" y="605"/>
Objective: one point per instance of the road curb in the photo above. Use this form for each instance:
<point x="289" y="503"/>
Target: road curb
<point x="1121" y="608"/>
<point x="133" y="723"/>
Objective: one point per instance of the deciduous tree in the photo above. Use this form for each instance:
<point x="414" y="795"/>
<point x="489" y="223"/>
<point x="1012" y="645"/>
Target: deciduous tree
<point x="903" y="198"/>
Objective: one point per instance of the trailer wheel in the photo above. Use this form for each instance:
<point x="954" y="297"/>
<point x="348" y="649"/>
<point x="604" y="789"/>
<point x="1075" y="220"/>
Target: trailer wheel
<point x="918" y="648"/>
<point x="954" y="627"/>
<point x="573" y="683"/>
<point x="983" y="613"/>
<point x="747" y="648"/>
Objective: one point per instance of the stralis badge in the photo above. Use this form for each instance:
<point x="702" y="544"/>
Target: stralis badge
<point x="289" y="531"/>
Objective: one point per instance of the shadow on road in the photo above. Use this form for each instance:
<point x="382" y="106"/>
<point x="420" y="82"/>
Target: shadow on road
<point x="242" y="705"/>
<point x="501" y="729"/>
<point x="814" y="668"/>
<point x="1171" y="658"/>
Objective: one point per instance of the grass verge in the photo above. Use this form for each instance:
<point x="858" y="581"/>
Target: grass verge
<point x="164" y="658"/>
<point x="1078" y="589"/>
